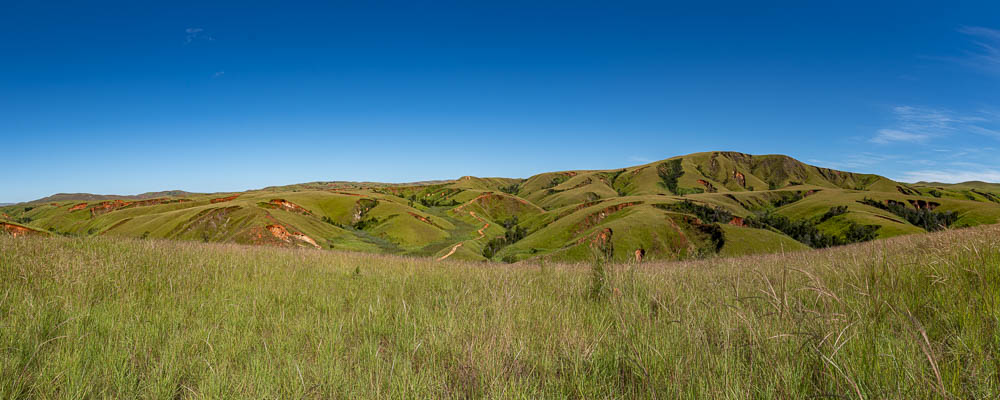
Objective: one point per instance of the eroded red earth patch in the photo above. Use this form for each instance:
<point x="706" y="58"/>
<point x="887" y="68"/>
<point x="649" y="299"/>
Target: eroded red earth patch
<point x="224" y="199"/>
<point x="596" y="218"/>
<point x="105" y="207"/>
<point x="17" y="230"/>
<point x="282" y="233"/>
<point x="424" y="219"/>
<point x="289" y="206"/>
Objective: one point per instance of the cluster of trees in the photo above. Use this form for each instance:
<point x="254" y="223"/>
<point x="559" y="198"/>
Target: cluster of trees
<point x="924" y="218"/>
<point x="513" y="234"/>
<point x="366" y="223"/>
<point x="512" y="189"/>
<point x="612" y="178"/>
<point x="669" y="172"/>
<point x="788" y="198"/>
<point x="715" y="234"/>
<point x="362" y="224"/>
<point x="989" y="196"/>
<point x="438" y="202"/>
<point x="705" y="213"/>
<point x="807" y="232"/>
<point x="332" y="222"/>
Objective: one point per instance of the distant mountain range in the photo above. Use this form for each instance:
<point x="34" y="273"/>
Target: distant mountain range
<point x="697" y="205"/>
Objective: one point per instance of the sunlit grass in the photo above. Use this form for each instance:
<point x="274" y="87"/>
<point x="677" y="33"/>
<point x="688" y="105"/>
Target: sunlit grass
<point x="910" y="317"/>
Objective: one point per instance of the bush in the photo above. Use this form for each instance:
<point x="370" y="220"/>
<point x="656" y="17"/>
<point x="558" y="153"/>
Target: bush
<point x="834" y="211"/>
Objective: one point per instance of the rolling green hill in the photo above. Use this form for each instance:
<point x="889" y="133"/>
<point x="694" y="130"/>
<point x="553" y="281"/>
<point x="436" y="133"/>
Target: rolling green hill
<point x="692" y="206"/>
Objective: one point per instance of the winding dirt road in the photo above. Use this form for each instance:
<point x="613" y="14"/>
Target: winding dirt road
<point x="482" y="234"/>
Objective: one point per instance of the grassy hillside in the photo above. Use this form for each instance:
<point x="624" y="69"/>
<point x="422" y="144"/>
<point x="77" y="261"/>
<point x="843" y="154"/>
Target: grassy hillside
<point x="694" y="206"/>
<point x="910" y="317"/>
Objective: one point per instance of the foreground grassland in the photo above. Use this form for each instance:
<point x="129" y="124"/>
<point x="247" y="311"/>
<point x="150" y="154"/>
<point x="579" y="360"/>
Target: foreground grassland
<point x="910" y="317"/>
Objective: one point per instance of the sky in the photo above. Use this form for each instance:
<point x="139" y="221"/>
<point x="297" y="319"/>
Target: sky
<point x="130" y="97"/>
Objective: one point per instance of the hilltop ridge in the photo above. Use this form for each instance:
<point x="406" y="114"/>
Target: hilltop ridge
<point x="690" y="206"/>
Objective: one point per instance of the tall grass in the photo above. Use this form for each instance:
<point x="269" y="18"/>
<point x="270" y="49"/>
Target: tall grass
<point x="910" y="317"/>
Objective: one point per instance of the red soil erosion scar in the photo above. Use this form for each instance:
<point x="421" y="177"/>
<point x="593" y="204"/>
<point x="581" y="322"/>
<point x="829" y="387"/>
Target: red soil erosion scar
<point x="347" y="193"/>
<point x="424" y="219"/>
<point x="740" y="178"/>
<point x="282" y="233"/>
<point x="709" y="187"/>
<point x="596" y="218"/>
<point x="224" y="199"/>
<point x="289" y="206"/>
<point x="924" y="205"/>
<point x="17" y="230"/>
<point x="78" y="207"/>
<point x="484" y="199"/>
<point x="112" y="205"/>
<point x="601" y="242"/>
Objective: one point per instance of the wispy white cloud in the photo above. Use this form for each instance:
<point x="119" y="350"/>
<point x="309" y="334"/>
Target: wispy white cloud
<point x="986" y="54"/>
<point x="856" y="161"/>
<point x="921" y="125"/>
<point x="192" y="34"/>
<point x="218" y="74"/>
<point x="642" y="160"/>
<point x="950" y="176"/>
<point x="885" y="136"/>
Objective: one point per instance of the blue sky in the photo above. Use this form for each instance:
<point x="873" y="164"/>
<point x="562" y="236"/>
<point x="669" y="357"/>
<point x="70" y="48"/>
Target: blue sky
<point x="129" y="97"/>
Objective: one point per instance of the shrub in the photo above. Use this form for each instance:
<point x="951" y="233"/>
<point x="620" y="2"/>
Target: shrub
<point x="834" y="211"/>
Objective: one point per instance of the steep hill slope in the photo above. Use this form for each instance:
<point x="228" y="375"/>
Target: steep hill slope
<point x="692" y="206"/>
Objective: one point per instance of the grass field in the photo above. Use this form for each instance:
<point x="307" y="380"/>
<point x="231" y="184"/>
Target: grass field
<point x="908" y="317"/>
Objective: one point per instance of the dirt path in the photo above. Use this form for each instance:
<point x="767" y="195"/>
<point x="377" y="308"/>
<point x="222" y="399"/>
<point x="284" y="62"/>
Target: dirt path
<point x="481" y="231"/>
